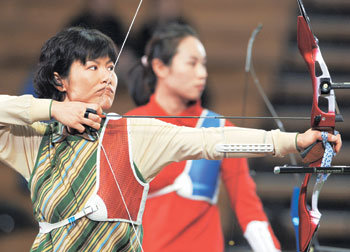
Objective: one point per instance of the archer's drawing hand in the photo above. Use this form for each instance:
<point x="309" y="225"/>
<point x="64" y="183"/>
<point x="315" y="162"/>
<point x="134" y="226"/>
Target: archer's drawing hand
<point x="73" y="114"/>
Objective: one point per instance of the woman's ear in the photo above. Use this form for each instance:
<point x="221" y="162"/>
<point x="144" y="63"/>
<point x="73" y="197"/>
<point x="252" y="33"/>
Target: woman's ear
<point x="59" y="83"/>
<point x="159" y="68"/>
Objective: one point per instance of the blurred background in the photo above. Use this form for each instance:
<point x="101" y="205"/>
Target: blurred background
<point x="224" y="27"/>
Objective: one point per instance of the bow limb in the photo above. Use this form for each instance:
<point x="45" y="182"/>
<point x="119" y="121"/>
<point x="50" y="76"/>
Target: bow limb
<point x="249" y="68"/>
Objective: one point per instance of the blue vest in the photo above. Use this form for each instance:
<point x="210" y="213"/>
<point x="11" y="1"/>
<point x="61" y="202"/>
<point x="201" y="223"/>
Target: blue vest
<point x="200" y="178"/>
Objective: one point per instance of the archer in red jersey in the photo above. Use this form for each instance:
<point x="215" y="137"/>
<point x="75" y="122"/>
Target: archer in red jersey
<point x="181" y="212"/>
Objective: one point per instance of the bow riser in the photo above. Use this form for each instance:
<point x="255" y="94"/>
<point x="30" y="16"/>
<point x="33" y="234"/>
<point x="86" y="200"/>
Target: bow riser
<point x="307" y="44"/>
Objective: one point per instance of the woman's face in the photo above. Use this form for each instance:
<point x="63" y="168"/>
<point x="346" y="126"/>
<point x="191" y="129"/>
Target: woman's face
<point x="94" y="82"/>
<point x="187" y="74"/>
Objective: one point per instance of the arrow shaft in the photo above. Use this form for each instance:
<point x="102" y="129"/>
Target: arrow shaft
<point x="300" y="169"/>
<point x="214" y="117"/>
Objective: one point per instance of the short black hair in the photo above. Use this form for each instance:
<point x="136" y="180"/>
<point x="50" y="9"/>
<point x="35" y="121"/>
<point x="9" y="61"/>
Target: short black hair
<point x="59" y="52"/>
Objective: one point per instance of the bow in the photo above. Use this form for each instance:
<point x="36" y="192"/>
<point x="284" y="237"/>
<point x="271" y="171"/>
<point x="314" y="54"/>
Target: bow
<point x="309" y="219"/>
<point x="324" y="115"/>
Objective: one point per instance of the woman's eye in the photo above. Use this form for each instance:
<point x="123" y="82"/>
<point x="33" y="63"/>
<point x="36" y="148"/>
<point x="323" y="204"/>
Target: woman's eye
<point x="111" y="68"/>
<point x="92" y="67"/>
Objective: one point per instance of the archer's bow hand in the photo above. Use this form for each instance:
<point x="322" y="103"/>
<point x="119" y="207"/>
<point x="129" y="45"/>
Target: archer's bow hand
<point x="77" y="115"/>
<point x="311" y="147"/>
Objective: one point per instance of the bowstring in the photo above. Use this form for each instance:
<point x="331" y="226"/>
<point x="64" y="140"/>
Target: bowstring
<point x="122" y="196"/>
<point x="127" y="34"/>
<point x="109" y="80"/>
<point x="124" y="41"/>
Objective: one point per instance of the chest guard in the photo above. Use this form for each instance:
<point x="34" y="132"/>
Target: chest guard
<point x="116" y="175"/>
<point x="200" y="178"/>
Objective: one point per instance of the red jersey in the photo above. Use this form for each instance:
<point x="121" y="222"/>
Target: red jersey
<point x="176" y="224"/>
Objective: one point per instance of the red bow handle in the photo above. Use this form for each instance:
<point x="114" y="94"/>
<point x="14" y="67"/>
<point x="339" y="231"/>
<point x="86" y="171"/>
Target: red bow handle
<point x="310" y="51"/>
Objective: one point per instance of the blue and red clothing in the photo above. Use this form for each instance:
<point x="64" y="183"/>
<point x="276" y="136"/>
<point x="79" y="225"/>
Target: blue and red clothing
<point x="174" y="223"/>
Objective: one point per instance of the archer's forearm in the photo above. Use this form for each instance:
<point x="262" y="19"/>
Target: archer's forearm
<point x="23" y="110"/>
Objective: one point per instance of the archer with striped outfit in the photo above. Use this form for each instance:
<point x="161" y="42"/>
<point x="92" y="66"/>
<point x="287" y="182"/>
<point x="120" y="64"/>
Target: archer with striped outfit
<point x="88" y="176"/>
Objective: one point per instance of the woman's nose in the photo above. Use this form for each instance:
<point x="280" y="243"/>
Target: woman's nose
<point x="202" y="71"/>
<point x="106" y="76"/>
<point x="110" y="78"/>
